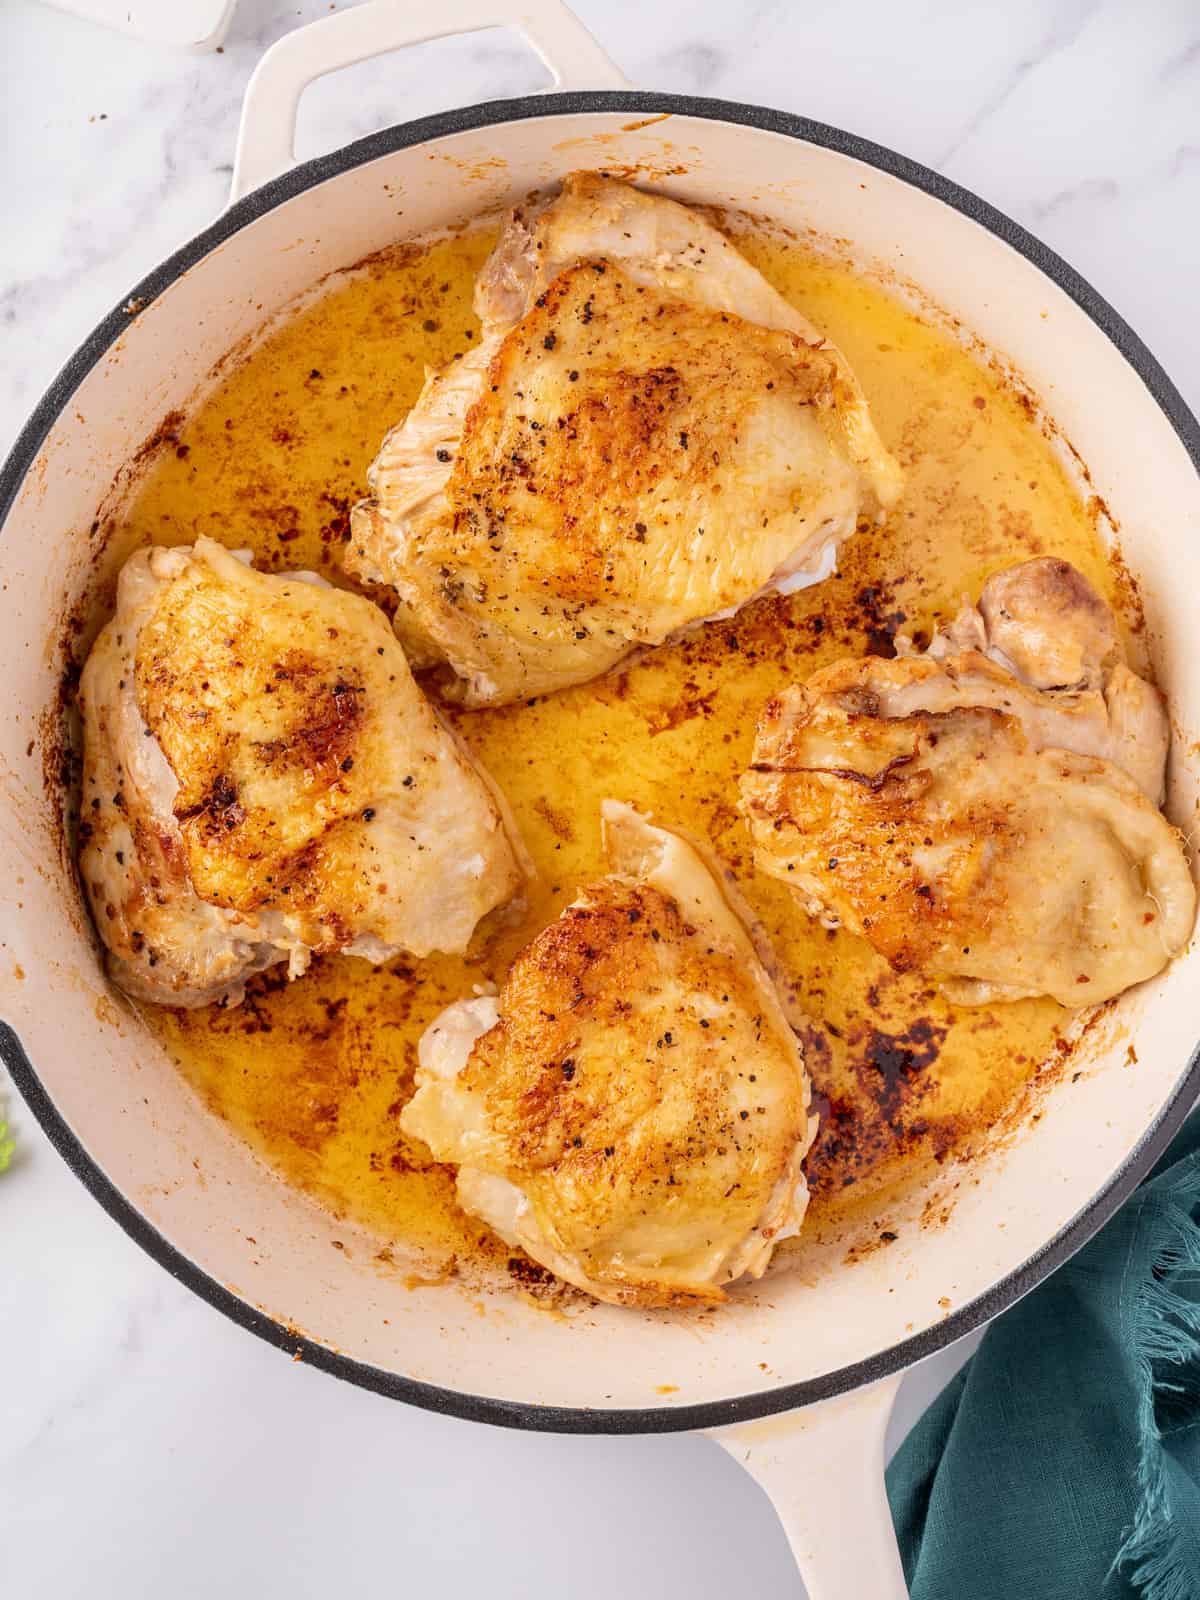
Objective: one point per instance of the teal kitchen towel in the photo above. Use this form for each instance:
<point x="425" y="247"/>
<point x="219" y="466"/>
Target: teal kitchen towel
<point x="1063" y="1462"/>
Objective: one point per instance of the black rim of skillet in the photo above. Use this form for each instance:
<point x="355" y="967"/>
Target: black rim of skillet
<point x="483" y="1408"/>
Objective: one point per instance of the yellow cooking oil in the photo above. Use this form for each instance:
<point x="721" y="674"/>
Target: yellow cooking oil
<point x="314" y="1074"/>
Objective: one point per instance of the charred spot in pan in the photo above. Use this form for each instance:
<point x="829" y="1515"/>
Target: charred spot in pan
<point x="816" y="1048"/>
<point x="528" y="1273"/>
<point x="407" y="1156"/>
<point x="870" y="1089"/>
<point x="58" y="738"/>
<point x="165" y="434"/>
<point x="864" y="1247"/>
<point x="899" y="1059"/>
<point x="847" y="1147"/>
<point x="335" y="529"/>
<point x="693" y="703"/>
<point x="879" y="619"/>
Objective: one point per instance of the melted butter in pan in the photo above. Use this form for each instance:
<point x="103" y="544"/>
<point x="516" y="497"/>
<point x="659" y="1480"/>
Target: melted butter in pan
<point x="314" y="1074"/>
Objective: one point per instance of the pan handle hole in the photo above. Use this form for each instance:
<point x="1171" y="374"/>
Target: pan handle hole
<point x="493" y="64"/>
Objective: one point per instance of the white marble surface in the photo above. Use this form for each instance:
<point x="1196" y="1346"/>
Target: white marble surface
<point x="148" y="1447"/>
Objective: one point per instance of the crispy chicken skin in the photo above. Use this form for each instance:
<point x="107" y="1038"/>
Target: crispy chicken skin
<point x="646" y="436"/>
<point x="985" y="812"/>
<point x="263" y="780"/>
<point x="633" y="1109"/>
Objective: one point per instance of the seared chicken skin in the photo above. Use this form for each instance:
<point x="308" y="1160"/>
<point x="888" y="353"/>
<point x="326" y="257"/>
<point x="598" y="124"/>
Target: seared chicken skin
<point x="263" y="779"/>
<point x="633" y="1109"/>
<point x="647" y="435"/>
<point x="986" y="812"/>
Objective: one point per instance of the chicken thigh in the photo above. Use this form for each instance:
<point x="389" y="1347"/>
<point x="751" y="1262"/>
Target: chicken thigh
<point x="986" y="812"/>
<point x="647" y="436"/>
<point x="263" y="780"/>
<point x="633" y="1109"/>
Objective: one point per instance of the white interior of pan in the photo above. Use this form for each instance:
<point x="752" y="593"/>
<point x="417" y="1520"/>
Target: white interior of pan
<point x="201" y="1188"/>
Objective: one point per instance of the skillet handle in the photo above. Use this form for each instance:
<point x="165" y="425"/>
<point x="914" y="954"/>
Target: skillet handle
<point x="266" y="138"/>
<point x="822" y="1469"/>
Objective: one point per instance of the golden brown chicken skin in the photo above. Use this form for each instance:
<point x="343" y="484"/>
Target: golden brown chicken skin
<point x="632" y="1109"/>
<point x="646" y="436"/>
<point x="263" y="780"/>
<point x="987" y="812"/>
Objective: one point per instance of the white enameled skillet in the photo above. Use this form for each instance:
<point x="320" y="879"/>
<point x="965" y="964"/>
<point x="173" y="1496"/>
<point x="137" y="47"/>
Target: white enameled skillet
<point x="175" y="1178"/>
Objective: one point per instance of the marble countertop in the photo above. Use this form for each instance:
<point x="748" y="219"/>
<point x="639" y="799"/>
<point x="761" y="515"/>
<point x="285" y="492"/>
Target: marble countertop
<point x="147" y="1446"/>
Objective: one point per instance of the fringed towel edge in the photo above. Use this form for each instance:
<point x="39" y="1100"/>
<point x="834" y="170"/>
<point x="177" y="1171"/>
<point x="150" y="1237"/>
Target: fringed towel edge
<point x="1165" y="1330"/>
